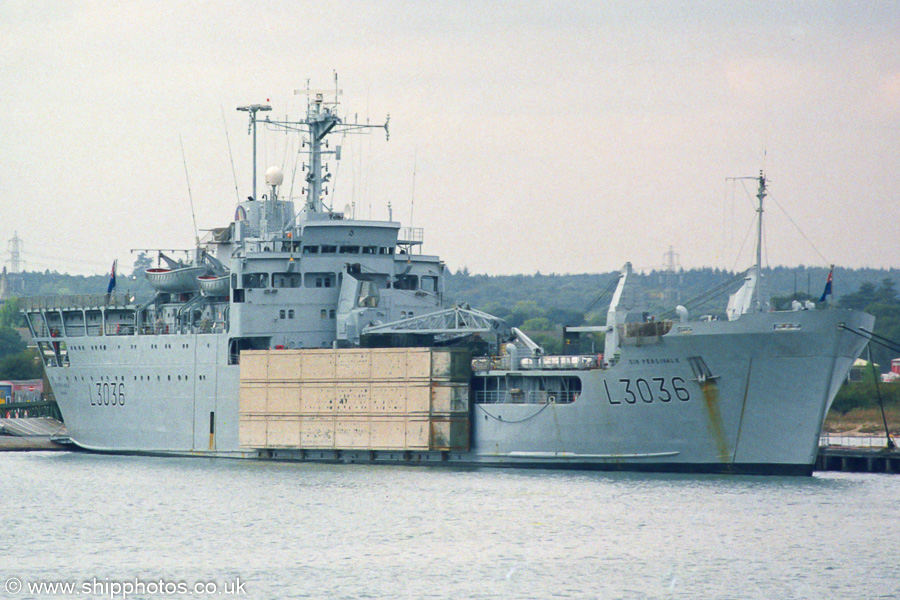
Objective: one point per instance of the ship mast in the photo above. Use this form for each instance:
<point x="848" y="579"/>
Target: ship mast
<point x="320" y="122"/>
<point x="760" y="194"/>
<point x="253" y="109"/>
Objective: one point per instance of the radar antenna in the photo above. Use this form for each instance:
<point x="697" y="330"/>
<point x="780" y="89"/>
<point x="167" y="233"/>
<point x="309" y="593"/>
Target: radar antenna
<point x="321" y="121"/>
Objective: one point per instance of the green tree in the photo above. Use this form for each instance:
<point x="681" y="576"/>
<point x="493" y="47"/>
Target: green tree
<point x="10" y="315"/>
<point x="538" y="324"/>
<point x="785" y="302"/>
<point x="862" y="394"/>
<point x="24" y="365"/>
<point x="523" y="311"/>
<point x="10" y="342"/>
<point x="881" y="302"/>
<point x="886" y="294"/>
<point x="141" y="264"/>
<point x="861" y="298"/>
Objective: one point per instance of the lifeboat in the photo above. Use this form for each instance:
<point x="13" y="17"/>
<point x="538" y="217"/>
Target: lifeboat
<point x="176" y="281"/>
<point x="211" y="285"/>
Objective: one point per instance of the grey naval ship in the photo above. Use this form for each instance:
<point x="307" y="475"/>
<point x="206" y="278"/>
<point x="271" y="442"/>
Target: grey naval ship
<point x="303" y="333"/>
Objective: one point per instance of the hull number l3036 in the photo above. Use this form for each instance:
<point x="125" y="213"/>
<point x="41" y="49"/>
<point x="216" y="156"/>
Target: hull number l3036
<point x="106" y="394"/>
<point x="655" y="389"/>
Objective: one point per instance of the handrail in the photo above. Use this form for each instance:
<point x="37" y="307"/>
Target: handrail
<point x="525" y="397"/>
<point x="411" y="235"/>
<point x="75" y="301"/>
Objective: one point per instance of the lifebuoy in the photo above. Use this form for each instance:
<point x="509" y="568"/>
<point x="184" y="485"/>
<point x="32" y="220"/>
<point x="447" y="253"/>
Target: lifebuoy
<point x="551" y="399"/>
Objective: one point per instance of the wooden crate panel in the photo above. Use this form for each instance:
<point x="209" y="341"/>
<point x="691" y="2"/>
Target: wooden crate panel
<point x="418" y="434"/>
<point x="418" y="363"/>
<point x="317" y="433"/>
<point x="318" y="365"/>
<point x="252" y="432"/>
<point x="449" y="434"/>
<point x="351" y="433"/>
<point x="389" y="363"/>
<point x="353" y="365"/>
<point x="418" y="398"/>
<point x="254" y="365"/>
<point x="285" y="365"/>
<point x="451" y="365"/>
<point x="449" y="398"/>
<point x="352" y="399"/>
<point x="252" y="399"/>
<point x="387" y="398"/>
<point x="387" y="433"/>
<point x="317" y="399"/>
<point x="283" y="398"/>
<point x="283" y="432"/>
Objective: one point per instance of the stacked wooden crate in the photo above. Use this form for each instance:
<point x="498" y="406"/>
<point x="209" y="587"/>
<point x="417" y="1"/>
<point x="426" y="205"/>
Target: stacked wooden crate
<point x="355" y="399"/>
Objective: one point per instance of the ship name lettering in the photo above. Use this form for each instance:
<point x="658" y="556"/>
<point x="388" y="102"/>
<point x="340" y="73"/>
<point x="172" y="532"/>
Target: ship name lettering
<point x="654" y="361"/>
<point x="648" y="391"/>
<point x="106" y="394"/>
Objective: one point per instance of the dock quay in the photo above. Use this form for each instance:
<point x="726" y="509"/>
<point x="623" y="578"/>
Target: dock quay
<point x="33" y="433"/>
<point x="855" y="454"/>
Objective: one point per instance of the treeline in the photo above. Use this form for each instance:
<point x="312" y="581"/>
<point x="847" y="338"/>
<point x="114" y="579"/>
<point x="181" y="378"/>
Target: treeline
<point x="573" y="299"/>
<point x="17" y="361"/>
<point x="864" y="394"/>
<point x="543" y="304"/>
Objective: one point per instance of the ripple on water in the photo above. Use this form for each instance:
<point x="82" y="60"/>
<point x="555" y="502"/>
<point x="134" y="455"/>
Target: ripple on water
<point x="374" y="531"/>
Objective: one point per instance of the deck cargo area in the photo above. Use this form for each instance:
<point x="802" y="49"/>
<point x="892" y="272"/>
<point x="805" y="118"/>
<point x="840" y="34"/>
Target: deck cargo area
<point x="355" y="399"/>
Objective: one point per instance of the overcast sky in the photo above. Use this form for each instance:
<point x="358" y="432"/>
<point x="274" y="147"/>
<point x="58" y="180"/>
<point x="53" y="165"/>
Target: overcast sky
<point x="526" y="136"/>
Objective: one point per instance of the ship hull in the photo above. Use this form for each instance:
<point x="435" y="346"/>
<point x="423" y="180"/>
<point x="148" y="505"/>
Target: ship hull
<point x="747" y="396"/>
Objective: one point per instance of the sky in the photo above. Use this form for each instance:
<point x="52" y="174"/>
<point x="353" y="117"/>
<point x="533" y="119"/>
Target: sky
<point x="525" y="136"/>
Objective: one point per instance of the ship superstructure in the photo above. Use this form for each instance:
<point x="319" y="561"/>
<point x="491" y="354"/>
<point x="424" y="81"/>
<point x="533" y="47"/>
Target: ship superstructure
<point x="308" y="334"/>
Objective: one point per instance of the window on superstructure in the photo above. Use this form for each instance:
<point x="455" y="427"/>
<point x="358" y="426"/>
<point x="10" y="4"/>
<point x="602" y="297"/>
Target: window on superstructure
<point x="281" y="314"/>
<point x="329" y="249"/>
<point x="310" y="249"/>
<point x="370" y="249"/>
<point x="286" y="280"/>
<point x="323" y="314"/>
<point x="406" y="282"/>
<point x="291" y="313"/>
<point x="429" y="283"/>
<point x="349" y="249"/>
<point x="256" y="280"/>
<point x="319" y="280"/>
<point x="331" y="314"/>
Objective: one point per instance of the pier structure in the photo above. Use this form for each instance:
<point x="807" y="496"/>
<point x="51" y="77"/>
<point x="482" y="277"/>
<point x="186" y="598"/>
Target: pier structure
<point x="853" y="454"/>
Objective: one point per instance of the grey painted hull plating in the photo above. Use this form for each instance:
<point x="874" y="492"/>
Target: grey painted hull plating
<point x="772" y="378"/>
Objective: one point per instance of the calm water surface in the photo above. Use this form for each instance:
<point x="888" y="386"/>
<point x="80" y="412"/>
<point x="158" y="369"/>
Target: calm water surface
<point x="323" y="531"/>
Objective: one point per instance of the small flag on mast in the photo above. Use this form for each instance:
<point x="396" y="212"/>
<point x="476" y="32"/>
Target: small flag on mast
<point x="827" y="291"/>
<point x="112" y="278"/>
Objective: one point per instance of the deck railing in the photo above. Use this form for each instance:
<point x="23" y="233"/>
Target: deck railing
<point x="528" y="363"/>
<point x="75" y="301"/>
<point x="411" y="235"/>
<point x="852" y="441"/>
<point x="525" y="397"/>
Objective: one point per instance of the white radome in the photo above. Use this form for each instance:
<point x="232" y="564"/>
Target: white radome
<point x="274" y="176"/>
